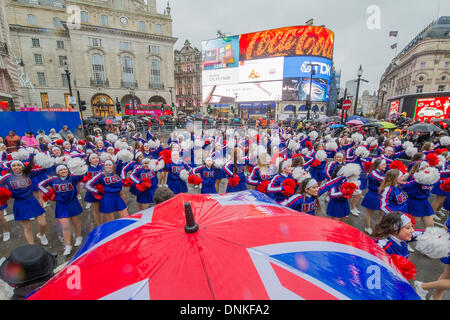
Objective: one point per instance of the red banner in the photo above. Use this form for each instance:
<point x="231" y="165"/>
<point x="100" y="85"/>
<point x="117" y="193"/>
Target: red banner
<point x="393" y="109"/>
<point x="48" y="109"/>
<point x="289" y="41"/>
<point x="4" y="105"/>
<point x="432" y="108"/>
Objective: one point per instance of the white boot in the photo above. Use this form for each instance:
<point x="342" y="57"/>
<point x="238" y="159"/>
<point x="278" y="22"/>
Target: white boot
<point x="6" y="236"/>
<point x="78" y="241"/>
<point x="46" y="204"/>
<point x="88" y="206"/>
<point x="67" y="250"/>
<point x="43" y="239"/>
<point x="5" y="213"/>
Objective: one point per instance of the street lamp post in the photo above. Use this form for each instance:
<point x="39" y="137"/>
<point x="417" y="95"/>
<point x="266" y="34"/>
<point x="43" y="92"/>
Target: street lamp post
<point x="383" y="91"/>
<point x="132" y="92"/>
<point x="359" y="74"/>
<point x="66" y="69"/>
<point x="308" y="99"/>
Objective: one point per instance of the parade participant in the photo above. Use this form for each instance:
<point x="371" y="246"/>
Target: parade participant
<point x="417" y="157"/>
<point x="440" y="194"/>
<point x="129" y="167"/>
<point x="442" y="284"/>
<point x="360" y="158"/>
<point x="178" y="173"/>
<point x="317" y="169"/>
<point x="99" y="146"/>
<point x="393" y="232"/>
<point x="389" y="155"/>
<point x="218" y="156"/>
<point x="427" y="148"/>
<point x="208" y="174"/>
<point x="94" y="168"/>
<point x="418" y="192"/>
<point x="3" y="223"/>
<point x="331" y="166"/>
<point x="391" y="197"/>
<point x="26" y="207"/>
<point x="235" y="170"/>
<point x="63" y="186"/>
<point x="371" y="200"/>
<point x="146" y="179"/>
<point x="53" y="135"/>
<point x="278" y="189"/>
<point x="155" y="149"/>
<point x="108" y="186"/>
<point x="307" y="200"/>
<point x="262" y="173"/>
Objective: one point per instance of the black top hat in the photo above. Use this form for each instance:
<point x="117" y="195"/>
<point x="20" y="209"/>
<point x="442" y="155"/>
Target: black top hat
<point x="27" y="263"/>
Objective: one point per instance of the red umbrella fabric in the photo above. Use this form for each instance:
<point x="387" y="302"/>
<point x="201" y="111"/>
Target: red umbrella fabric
<point x="246" y="247"/>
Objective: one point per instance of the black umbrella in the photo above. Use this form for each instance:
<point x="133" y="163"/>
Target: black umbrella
<point x="91" y="121"/>
<point x="424" y="127"/>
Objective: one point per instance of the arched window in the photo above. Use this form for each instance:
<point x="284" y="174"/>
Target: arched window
<point x="127" y="67"/>
<point x="98" y="68"/>
<point x="155" y="73"/>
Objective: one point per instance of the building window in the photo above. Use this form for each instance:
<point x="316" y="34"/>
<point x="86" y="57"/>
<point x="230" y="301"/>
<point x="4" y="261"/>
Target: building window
<point x="197" y="67"/>
<point x="104" y="20"/>
<point x="31" y="19"/>
<point x="84" y="17"/>
<point x="60" y="44"/>
<point x="441" y="88"/>
<point x="125" y="45"/>
<point x="423" y="65"/>
<point x="179" y="68"/>
<point x="419" y="89"/>
<point x="37" y="58"/>
<point x="443" y="78"/>
<point x="65" y="80"/>
<point x="57" y="22"/>
<point x="127" y="68"/>
<point x="98" y="68"/>
<point x="199" y="91"/>
<point x="62" y="59"/>
<point x="141" y="26"/>
<point x="197" y="79"/>
<point x="154" y="49"/>
<point x="158" y="28"/>
<point x="95" y="42"/>
<point x="188" y="58"/>
<point x="35" y="42"/>
<point x="41" y="79"/>
<point x="155" y="73"/>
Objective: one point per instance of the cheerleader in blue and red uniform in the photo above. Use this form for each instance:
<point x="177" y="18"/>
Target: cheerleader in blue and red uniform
<point x="317" y="169"/>
<point x="338" y="207"/>
<point x="208" y="174"/>
<point x="64" y="188"/>
<point x="371" y="200"/>
<point x="391" y="197"/>
<point x="107" y="185"/>
<point x="146" y="179"/>
<point x="176" y="179"/>
<point x="218" y="156"/>
<point x="26" y="207"/>
<point x="440" y="194"/>
<point x="277" y="188"/>
<point x="262" y="173"/>
<point x="94" y="168"/>
<point x="235" y="170"/>
<point x="331" y="166"/>
<point x="307" y="199"/>
<point x="129" y="167"/>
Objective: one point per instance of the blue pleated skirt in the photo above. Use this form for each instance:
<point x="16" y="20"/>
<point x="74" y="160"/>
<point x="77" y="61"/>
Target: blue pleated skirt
<point x="208" y="189"/>
<point x="437" y="190"/>
<point x="419" y="207"/>
<point x="112" y="202"/>
<point x="89" y="197"/>
<point x="146" y="196"/>
<point x="177" y="185"/>
<point x="133" y="189"/>
<point x="37" y="179"/>
<point x="363" y="180"/>
<point x="338" y="208"/>
<point x="221" y="174"/>
<point x="371" y="200"/>
<point x="67" y="209"/>
<point x="25" y="209"/>
<point x="240" y="187"/>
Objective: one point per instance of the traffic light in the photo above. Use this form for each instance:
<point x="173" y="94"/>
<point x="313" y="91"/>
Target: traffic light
<point x="295" y="110"/>
<point x="339" y="103"/>
<point x="162" y="108"/>
<point x="82" y="105"/>
<point x="232" y="109"/>
<point x="308" y="105"/>
<point x="118" y="107"/>
<point x="209" y="109"/>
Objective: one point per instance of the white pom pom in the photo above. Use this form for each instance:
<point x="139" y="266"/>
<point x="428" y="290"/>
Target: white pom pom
<point x="275" y="141"/>
<point x="152" y="164"/>
<point x="77" y="166"/>
<point x="351" y="170"/>
<point x="427" y="176"/>
<point x="124" y="156"/>
<point x="445" y="141"/>
<point x="328" y="137"/>
<point x="321" y="155"/>
<point x="407" y="144"/>
<point x="219" y="163"/>
<point x="44" y="161"/>
<point x="186" y="145"/>
<point x="305" y="151"/>
<point x="434" y="243"/>
<point x="184" y="175"/>
<point x="160" y="165"/>
<point x="261" y="150"/>
<point x="442" y="160"/>
<point x="152" y="144"/>
<point x="293" y="146"/>
<point x="121" y="145"/>
<point x="111" y="137"/>
<point x="300" y="175"/>
<point x="362" y="152"/>
<point x="410" y="152"/>
<point x="105" y="156"/>
<point x="331" y="146"/>
<point x="20" y="155"/>
<point x="62" y="160"/>
<point x="313" y="135"/>
<point x="357" y="137"/>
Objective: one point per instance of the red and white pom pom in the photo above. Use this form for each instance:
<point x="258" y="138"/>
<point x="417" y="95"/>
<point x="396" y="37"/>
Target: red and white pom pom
<point x="432" y="159"/>
<point x="262" y="187"/>
<point x="233" y="181"/>
<point x="367" y="166"/>
<point x="300" y="175"/>
<point x="397" y="164"/>
<point x="406" y="267"/>
<point x="62" y="160"/>
<point x="434" y="243"/>
<point x="428" y="176"/>
<point x="445" y="185"/>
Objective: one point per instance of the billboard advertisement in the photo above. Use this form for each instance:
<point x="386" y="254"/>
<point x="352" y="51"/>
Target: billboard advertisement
<point x="393" y="108"/>
<point x="429" y="108"/>
<point x="287" y="42"/>
<point x="261" y="70"/>
<point x="220" y="53"/>
<point x="268" y="65"/>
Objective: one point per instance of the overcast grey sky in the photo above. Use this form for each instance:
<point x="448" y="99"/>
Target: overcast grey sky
<point x="355" y="43"/>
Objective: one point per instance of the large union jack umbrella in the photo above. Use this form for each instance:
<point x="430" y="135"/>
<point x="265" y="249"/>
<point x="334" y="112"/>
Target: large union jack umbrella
<point x="246" y="247"/>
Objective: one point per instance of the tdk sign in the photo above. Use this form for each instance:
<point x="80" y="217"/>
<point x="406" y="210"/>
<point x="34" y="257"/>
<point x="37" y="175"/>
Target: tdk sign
<point x="300" y="67"/>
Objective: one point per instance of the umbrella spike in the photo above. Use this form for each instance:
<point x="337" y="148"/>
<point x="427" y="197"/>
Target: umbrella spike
<point x="191" y="226"/>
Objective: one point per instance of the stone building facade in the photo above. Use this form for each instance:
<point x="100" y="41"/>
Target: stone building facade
<point x="115" y="50"/>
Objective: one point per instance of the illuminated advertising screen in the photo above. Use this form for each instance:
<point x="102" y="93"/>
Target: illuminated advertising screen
<point x="220" y="53"/>
<point x="268" y="65"/>
<point x="429" y="108"/>
<point x="393" y="107"/>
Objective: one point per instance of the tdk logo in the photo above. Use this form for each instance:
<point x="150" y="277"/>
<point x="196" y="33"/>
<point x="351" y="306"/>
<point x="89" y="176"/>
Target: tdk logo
<point x="321" y="68"/>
